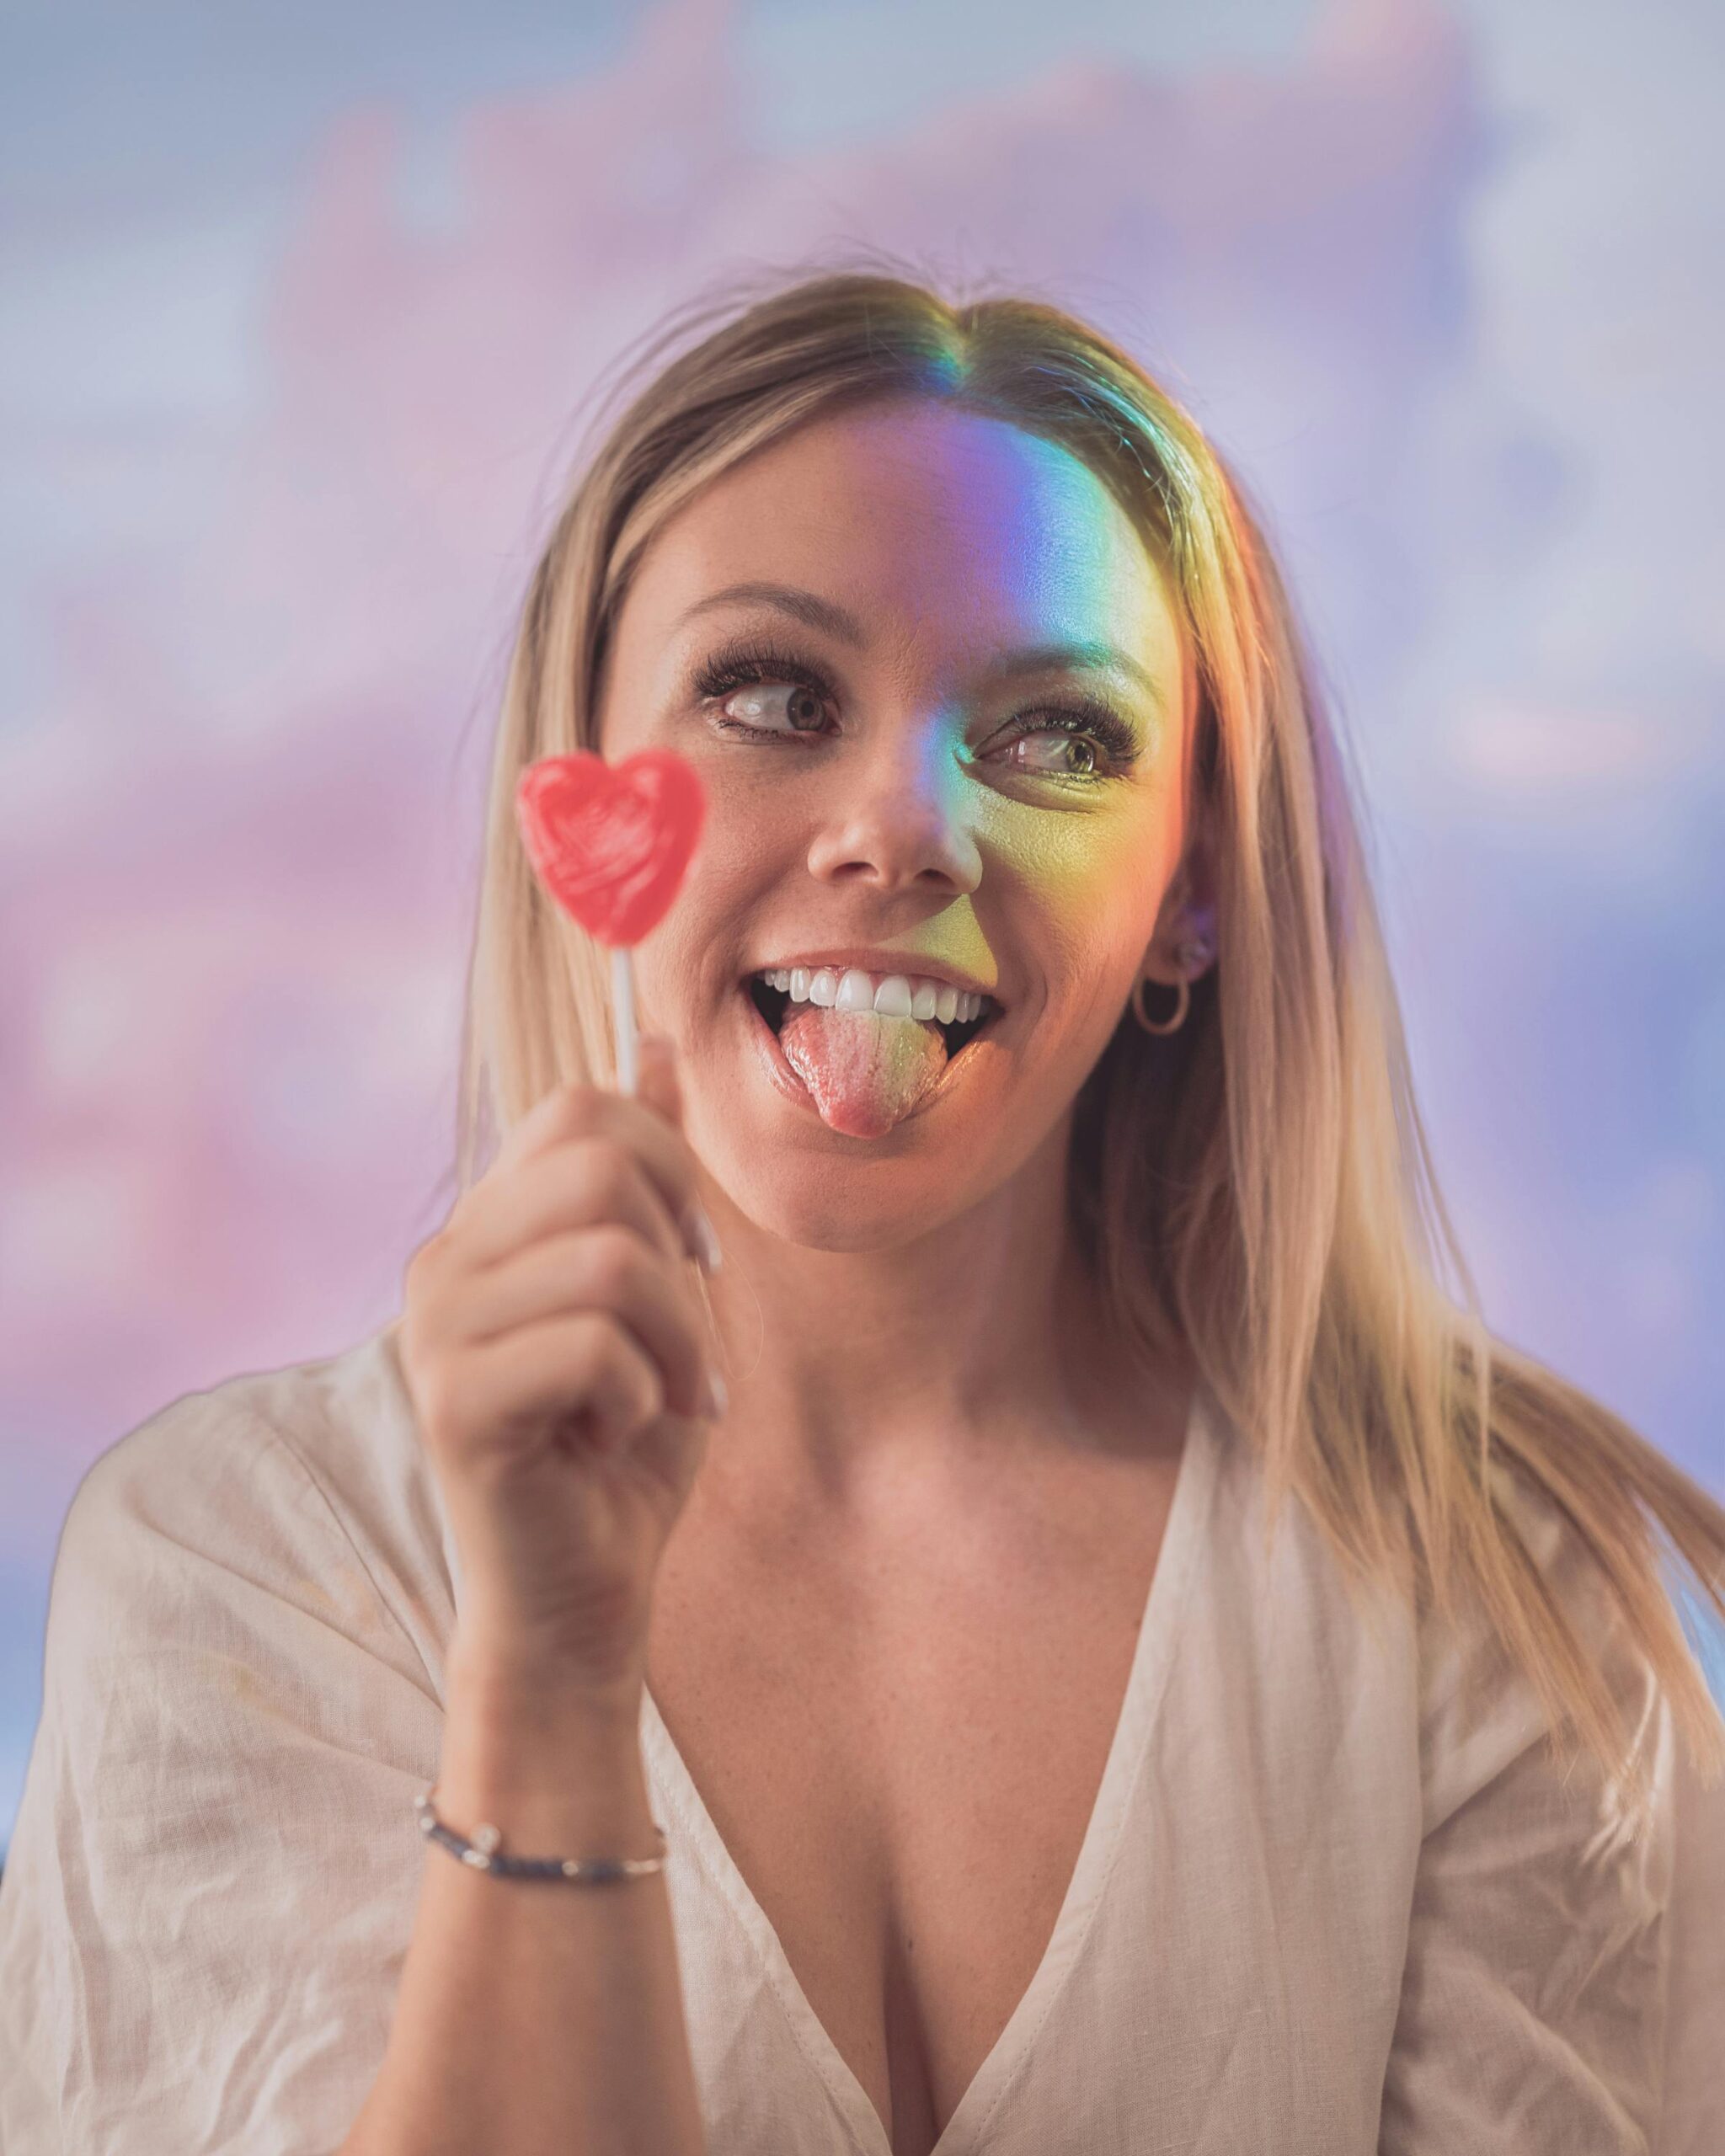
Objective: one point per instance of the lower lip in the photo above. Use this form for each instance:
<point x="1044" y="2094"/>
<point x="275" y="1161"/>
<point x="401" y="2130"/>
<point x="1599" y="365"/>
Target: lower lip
<point x="791" y="1087"/>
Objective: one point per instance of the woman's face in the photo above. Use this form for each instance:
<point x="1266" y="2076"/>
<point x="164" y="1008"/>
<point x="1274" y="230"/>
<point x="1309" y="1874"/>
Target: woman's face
<point x="901" y="773"/>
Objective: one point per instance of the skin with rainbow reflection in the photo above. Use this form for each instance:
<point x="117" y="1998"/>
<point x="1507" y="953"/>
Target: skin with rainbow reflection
<point x="904" y="1311"/>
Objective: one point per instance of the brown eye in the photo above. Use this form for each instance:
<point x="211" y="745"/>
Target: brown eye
<point x="1070" y="755"/>
<point x="757" y="702"/>
<point x="1092" y="744"/>
<point x="747" y="687"/>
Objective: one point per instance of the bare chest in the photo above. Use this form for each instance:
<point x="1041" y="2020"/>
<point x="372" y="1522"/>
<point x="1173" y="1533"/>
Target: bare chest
<point x="901" y="1751"/>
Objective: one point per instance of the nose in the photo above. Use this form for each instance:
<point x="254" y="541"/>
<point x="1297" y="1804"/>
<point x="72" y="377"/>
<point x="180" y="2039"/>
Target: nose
<point x="896" y="822"/>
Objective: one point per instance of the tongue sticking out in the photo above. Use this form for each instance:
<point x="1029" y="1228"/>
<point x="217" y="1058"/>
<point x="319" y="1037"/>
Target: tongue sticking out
<point x="864" y="1071"/>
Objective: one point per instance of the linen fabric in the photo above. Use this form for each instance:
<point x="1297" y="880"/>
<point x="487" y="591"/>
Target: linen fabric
<point x="1335" y="1896"/>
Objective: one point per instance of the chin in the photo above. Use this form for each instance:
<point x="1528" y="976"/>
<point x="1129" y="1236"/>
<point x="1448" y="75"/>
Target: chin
<point x="816" y="1205"/>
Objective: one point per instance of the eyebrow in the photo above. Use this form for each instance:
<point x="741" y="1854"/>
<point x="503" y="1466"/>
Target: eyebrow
<point x="1081" y="654"/>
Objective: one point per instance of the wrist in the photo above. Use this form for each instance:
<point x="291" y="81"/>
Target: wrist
<point x="558" y="1771"/>
<point x="537" y="1691"/>
<point x="516" y="1723"/>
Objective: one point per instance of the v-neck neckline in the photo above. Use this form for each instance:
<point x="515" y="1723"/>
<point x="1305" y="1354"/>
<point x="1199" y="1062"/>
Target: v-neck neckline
<point x="1181" y="1552"/>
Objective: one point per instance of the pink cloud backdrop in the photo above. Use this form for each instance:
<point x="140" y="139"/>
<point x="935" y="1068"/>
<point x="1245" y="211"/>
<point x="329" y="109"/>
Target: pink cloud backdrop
<point x="239" y="796"/>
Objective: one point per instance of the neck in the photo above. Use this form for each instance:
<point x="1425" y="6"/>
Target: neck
<point x="850" y="1371"/>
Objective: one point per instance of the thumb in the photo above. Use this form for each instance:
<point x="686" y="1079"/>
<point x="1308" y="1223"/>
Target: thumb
<point x="656" y="1080"/>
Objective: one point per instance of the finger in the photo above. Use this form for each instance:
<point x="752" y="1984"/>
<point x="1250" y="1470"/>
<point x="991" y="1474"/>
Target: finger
<point x="583" y="1184"/>
<point x="607" y="1268"/>
<point x="585" y="1112"/>
<point x="541" y="1125"/>
<point x="585" y="1370"/>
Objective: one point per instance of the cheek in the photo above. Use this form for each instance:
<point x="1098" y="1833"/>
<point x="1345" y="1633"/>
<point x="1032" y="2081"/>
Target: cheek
<point x="737" y="863"/>
<point x="704" y="937"/>
<point x="1087" y="900"/>
<point x="1093" y="885"/>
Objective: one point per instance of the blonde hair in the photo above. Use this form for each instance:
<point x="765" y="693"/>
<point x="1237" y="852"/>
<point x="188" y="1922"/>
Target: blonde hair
<point x="1269" y="1200"/>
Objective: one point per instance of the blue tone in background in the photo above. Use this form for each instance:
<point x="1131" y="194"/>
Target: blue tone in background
<point x="300" y="308"/>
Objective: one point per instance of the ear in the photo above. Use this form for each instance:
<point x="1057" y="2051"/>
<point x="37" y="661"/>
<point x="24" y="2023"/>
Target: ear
<point x="1184" y="944"/>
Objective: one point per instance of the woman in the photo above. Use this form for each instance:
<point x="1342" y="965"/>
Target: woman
<point x="922" y="1580"/>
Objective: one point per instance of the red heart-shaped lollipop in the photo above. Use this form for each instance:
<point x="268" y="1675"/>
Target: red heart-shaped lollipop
<point x="611" y="841"/>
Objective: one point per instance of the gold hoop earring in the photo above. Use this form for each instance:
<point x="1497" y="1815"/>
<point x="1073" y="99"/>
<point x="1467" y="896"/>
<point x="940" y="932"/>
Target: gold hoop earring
<point x="1182" y="1004"/>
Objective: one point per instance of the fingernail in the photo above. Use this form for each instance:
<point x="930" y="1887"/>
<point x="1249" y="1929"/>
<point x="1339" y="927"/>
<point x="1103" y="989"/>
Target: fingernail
<point x="718" y="1397"/>
<point x="703" y="1244"/>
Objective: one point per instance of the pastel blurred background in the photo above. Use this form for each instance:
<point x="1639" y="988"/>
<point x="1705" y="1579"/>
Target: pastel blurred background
<point x="300" y="309"/>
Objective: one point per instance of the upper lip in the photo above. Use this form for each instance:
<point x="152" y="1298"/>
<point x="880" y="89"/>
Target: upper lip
<point x="871" y="958"/>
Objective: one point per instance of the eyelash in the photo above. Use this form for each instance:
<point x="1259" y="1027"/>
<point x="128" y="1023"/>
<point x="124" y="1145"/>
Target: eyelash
<point x="735" y="666"/>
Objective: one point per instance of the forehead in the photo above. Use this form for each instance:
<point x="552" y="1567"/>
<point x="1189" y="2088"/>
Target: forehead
<point x="944" y="531"/>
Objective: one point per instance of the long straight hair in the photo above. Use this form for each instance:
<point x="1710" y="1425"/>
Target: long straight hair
<point x="1256" y="1189"/>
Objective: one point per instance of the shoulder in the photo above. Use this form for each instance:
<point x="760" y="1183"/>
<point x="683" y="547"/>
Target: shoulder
<point x="304" y="1483"/>
<point x="1567" y="1930"/>
<point x="1437" y="1685"/>
<point x="1479" y="1709"/>
<point x="1302" y="1662"/>
<point x="235" y="1603"/>
<point x="240" y="1695"/>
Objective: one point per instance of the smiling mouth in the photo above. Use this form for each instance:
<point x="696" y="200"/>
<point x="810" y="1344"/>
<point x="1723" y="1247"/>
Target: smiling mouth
<point x="773" y="1003"/>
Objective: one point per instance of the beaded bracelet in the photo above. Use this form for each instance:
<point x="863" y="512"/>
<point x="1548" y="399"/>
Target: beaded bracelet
<point x="484" y="1853"/>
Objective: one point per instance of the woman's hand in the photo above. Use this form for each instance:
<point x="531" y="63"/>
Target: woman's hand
<point x="556" y="1354"/>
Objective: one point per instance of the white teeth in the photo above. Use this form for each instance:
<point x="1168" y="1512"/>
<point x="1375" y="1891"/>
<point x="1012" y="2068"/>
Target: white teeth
<point x="893" y="995"/>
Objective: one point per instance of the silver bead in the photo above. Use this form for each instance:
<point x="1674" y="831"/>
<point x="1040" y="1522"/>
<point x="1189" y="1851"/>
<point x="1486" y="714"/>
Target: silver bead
<point x="485" y="1839"/>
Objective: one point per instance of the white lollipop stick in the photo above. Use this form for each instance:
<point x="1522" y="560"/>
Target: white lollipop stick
<point x="622" y="1016"/>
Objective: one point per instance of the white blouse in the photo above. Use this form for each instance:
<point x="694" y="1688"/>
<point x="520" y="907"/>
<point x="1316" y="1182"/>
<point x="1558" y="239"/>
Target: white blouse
<point x="1333" y="1897"/>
